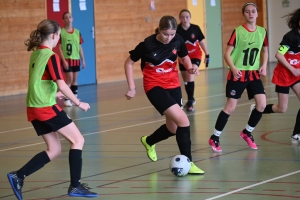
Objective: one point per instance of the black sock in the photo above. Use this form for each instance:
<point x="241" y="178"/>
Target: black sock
<point x="297" y="124"/>
<point x="268" y="109"/>
<point x="221" y="121"/>
<point x="253" y="120"/>
<point x="75" y="162"/>
<point x="184" y="141"/>
<point x="162" y="133"/>
<point x="74" y="89"/>
<point x="36" y="163"/>
<point x="189" y="88"/>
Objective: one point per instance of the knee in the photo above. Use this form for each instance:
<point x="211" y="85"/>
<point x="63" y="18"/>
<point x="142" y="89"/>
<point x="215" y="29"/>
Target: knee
<point x="229" y="110"/>
<point x="78" y="142"/>
<point x="54" y="152"/>
<point x="260" y="107"/>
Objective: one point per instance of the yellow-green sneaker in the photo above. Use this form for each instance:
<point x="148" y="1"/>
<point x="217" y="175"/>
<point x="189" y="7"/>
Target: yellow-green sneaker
<point x="150" y="149"/>
<point x="195" y="170"/>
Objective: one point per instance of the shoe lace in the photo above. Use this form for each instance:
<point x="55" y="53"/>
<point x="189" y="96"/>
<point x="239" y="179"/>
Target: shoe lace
<point x="85" y="186"/>
<point x="251" y="137"/>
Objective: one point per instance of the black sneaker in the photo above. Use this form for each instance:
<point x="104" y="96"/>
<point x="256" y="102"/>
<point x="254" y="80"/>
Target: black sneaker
<point x="189" y="106"/>
<point x="16" y="184"/>
<point x="81" y="190"/>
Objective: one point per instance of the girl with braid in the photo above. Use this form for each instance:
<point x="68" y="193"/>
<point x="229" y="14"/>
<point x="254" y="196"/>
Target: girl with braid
<point x="158" y="54"/>
<point x="47" y="118"/>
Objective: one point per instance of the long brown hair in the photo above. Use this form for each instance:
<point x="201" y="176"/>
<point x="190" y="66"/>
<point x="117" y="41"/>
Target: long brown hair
<point x="166" y="22"/>
<point x="293" y="19"/>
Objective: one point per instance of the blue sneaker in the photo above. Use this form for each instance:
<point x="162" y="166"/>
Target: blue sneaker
<point x="16" y="184"/>
<point x="81" y="190"/>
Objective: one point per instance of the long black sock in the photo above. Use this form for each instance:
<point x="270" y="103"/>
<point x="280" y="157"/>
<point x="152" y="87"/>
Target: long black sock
<point x="297" y="124"/>
<point x="253" y="121"/>
<point x="268" y="109"/>
<point x="184" y="141"/>
<point x="75" y="162"/>
<point x="189" y="88"/>
<point x="162" y="133"/>
<point x="221" y="121"/>
<point x="74" y="89"/>
<point x="36" y="163"/>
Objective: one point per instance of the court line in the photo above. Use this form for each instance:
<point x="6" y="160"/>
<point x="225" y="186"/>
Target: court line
<point x="253" y="185"/>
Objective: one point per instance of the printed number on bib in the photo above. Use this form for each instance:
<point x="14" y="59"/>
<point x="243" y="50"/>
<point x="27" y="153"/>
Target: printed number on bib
<point x="250" y="56"/>
<point x="69" y="49"/>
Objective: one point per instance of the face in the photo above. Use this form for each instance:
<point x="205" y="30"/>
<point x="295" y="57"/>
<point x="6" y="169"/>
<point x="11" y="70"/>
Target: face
<point x="250" y="13"/>
<point x="165" y="36"/>
<point x="68" y="19"/>
<point x="185" y="18"/>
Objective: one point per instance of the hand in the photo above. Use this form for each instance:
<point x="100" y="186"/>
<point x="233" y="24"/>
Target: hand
<point x="236" y="73"/>
<point x="59" y="95"/>
<point x="193" y="70"/>
<point x="65" y="65"/>
<point x="130" y="94"/>
<point x="206" y="60"/>
<point x="83" y="65"/>
<point x="296" y="72"/>
<point x="263" y="70"/>
<point x="83" y="106"/>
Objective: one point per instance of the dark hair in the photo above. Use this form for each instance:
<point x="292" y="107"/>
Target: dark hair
<point x="165" y="23"/>
<point x="63" y="16"/>
<point x="247" y="4"/>
<point x="293" y="19"/>
<point x="44" y="29"/>
<point x="184" y="10"/>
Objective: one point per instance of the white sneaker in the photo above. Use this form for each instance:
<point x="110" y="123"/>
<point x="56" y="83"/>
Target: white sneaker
<point x="295" y="139"/>
<point x="67" y="103"/>
<point x="252" y="107"/>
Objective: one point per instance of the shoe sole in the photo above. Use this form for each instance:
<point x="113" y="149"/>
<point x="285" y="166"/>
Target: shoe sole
<point x="214" y="150"/>
<point x="147" y="151"/>
<point x="196" y="173"/>
<point x="247" y="143"/>
<point x="13" y="187"/>
<point x="80" y="195"/>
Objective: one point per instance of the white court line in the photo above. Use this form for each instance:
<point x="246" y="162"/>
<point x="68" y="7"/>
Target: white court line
<point x="256" y="184"/>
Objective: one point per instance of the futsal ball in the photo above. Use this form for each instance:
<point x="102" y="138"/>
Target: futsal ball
<point x="180" y="165"/>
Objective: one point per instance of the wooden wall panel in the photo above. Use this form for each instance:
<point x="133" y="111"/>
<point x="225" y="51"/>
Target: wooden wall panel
<point x="18" y="18"/>
<point x="120" y="27"/>
<point x="232" y="17"/>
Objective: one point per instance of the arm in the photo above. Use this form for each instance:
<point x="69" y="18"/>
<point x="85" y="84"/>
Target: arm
<point x="128" y="66"/>
<point x="62" y="57"/>
<point x="64" y="88"/>
<point x="237" y="73"/>
<point x="203" y="46"/>
<point x="82" y="57"/>
<point x="284" y="62"/>
<point x="265" y="55"/>
<point x="186" y="61"/>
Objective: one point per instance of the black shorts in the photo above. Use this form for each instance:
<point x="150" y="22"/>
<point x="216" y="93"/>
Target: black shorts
<point x="284" y="89"/>
<point x="195" y="61"/>
<point x="235" y="89"/>
<point x="52" y="125"/>
<point x="162" y="99"/>
<point x="72" y="69"/>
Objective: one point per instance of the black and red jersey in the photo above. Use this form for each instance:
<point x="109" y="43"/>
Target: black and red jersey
<point x="192" y="36"/>
<point x="53" y="72"/>
<point x="158" y="61"/>
<point x="282" y="76"/>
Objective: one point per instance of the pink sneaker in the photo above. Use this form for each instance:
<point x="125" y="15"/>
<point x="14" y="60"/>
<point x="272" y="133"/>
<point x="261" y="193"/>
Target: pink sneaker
<point x="249" y="140"/>
<point x="215" y="145"/>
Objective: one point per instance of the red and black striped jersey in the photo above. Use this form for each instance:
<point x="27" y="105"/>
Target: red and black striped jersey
<point x="192" y="36"/>
<point x="158" y="61"/>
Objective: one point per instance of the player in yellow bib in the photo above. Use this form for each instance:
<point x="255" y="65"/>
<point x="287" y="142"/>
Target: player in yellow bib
<point x="243" y="58"/>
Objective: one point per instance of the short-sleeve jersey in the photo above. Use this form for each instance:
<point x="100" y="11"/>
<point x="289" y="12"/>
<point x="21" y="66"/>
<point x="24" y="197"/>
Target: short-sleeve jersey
<point x="192" y="36"/>
<point x="282" y="76"/>
<point x="158" y="61"/>
<point x="44" y="70"/>
<point x="70" y="44"/>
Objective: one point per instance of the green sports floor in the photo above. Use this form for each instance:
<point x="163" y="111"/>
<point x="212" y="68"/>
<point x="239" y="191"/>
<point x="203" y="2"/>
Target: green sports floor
<point x="115" y="163"/>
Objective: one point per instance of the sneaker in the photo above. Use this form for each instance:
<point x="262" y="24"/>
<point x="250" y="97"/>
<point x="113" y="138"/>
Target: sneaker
<point x="81" y="191"/>
<point x="150" y="149"/>
<point x="252" y="107"/>
<point x="215" y="145"/>
<point x="295" y="139"/>
<point x="190" y="108"/>
<point x="249" y="140"/>
<point x="16" y="184"/>
<point x="194" y="102"/>
<point x="67" y="103"/>
<point x="195" y="170"/>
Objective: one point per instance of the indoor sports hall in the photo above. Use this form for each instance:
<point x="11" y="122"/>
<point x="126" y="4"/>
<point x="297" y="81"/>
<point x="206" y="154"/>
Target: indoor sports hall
<point x="115" y="163"/>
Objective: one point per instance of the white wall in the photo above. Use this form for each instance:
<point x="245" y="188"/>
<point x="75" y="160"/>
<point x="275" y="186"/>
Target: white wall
<point x="277" y="25"/>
